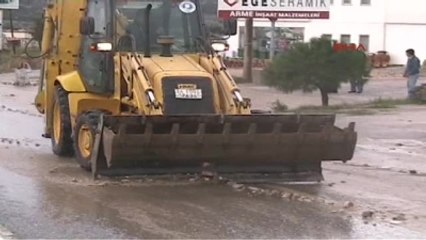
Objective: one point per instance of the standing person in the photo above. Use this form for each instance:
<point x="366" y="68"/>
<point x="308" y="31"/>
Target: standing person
<point x="361" y="74"/>
<point x="412" y="72"/>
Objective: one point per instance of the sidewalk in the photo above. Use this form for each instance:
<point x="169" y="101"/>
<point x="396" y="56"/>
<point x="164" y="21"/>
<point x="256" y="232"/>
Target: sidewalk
<point x="385" y="84"/>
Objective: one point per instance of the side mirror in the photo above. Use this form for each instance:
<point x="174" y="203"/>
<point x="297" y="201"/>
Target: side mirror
<point x="87" y="26"/>
<point x="230" y="27"/>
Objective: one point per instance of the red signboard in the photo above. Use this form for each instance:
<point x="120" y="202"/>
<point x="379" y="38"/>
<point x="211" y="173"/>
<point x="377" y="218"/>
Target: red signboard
<point x="342" y="47"/>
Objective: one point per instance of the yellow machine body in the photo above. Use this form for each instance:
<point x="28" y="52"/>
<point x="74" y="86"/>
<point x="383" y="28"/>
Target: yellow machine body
<point x="165" y="112"/>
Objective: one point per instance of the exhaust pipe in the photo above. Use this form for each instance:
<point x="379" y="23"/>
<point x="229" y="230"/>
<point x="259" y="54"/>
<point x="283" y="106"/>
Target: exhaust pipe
<point x="148" y="31"/>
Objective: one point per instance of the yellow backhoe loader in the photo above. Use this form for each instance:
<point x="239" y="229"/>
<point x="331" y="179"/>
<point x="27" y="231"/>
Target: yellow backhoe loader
<point x="139" y="87"/>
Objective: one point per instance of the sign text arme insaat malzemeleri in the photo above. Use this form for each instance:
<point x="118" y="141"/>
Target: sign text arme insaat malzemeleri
<point x="292" y="9"/>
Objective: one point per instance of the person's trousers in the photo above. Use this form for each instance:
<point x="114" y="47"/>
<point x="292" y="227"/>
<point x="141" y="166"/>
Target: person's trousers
<point x="357" y="86"/>
<point x="411" y="85"/>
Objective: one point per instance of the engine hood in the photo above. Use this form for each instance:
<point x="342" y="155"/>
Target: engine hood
<point x="176" y="65"/>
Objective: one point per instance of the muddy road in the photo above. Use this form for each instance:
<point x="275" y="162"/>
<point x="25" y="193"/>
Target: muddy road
<point x="380" y="194"/>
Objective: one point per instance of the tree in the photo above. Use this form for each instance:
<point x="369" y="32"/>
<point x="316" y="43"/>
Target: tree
<point x="315" y="66"/>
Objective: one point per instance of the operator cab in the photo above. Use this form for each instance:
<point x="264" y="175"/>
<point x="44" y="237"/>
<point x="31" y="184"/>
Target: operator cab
<point x="148" y="27"/>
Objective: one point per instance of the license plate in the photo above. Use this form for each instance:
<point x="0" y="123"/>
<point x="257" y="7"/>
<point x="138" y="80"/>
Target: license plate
<point x="182" y="93"/>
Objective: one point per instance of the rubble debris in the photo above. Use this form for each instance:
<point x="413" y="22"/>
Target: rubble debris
<point x="295" y="197"/>
<point x="255" y="190"/>
<point x="208" y="174"/>
<point x="238" y="187"/>
<point x="74" y="180"/>
<point x="348" y="205"/>
<point x="207" y="179"/>
<point x="286" y="195"/>
<point x="306" y="199"/>
<point x="399" y="145"/>
<point x="400" y="218"/>
<point x="272" y="193"/>
<point x="194" y="179"/>
<point x="413" y="172"/>
<point x="367" y="214"/>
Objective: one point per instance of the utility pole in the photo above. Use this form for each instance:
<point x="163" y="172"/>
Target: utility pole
<point x="272" y="46"/>
<point x="1" y="30"/>
<point x="248" y="51"/>
<point x="11" y="31"/>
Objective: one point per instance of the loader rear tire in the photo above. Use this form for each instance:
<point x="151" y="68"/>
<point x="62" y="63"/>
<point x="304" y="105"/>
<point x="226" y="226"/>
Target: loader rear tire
<point x="61" y="124"/>
<point x="84" y="138"/>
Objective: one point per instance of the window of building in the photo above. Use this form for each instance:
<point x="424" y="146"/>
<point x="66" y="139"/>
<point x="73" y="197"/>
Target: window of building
<point x="365" y="2"/>
<point x="364" y="40"/>
<point x="345" y="38"/>
<point x="327" y="36"/>
<point x="347" y="2"/>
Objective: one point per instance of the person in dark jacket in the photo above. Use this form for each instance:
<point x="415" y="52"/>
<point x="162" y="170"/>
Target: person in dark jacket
<point x="412" y="72"/>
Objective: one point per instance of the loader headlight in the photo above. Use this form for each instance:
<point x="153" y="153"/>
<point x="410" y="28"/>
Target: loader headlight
<point x="239" y="96"/>
<point x="244" y="102"/>
<point x="151" y="97"/>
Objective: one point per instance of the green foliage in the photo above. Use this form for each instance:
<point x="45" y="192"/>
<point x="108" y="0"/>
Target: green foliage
<point x="316" y="66"/>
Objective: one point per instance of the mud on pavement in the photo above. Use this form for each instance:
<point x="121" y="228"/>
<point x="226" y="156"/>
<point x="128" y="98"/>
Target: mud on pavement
<point x="37" y="202"/>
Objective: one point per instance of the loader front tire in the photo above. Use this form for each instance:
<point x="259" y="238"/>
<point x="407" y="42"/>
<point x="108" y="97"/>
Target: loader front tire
<point x="84" y="138"/>
<point x="61" y="124"/>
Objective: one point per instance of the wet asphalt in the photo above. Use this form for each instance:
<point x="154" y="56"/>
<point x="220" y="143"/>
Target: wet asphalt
<point x="36" y="208"/>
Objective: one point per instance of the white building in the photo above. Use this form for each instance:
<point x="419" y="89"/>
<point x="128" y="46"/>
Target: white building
<point x="381" y="25"/>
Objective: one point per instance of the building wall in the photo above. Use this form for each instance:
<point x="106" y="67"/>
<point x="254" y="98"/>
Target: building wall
<point x="405" y="11"/>
<point x="353" y="19"/>
<point x="392" y="25"/>
<point x="355" y="30"/>
<point x="400" y="37"/>
<point x="405" y="27"/>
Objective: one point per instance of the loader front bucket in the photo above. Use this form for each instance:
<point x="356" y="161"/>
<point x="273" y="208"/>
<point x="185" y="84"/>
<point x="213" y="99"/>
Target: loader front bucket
<point x="287" y="146"/>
